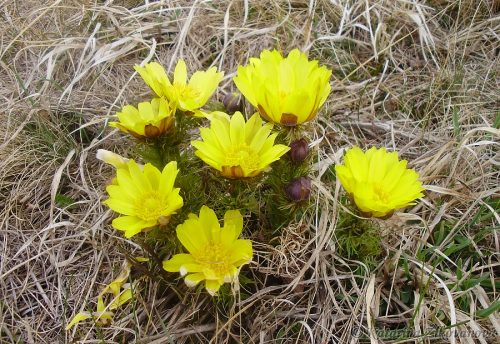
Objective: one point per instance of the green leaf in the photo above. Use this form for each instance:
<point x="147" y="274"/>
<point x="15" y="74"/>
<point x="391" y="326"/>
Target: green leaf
<point x="63" y="200"/>
<point x="494" y="307"/>
<point x="496" y="125"/>
<point x="459" y="269"/>
<point x="470" y="283"/>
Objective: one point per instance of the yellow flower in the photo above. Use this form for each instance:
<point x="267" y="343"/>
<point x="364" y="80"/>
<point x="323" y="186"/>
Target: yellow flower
<point x="238" y="149"/>
<point x="215" y="253"/>
<point x="145" y="197"/>
<point x="187" y="96"/>
<point x="150" y="119"/>
<point x="285" y="90"/>
<point x="378" y="181"/>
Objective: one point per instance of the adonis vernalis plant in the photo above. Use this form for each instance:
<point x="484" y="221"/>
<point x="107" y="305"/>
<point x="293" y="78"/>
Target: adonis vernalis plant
<point x="378" y="181"/>
<point x="215" y="253"/>
<point x="186" y="95"/>
<point x="145" y="197"/>
<point x="149" y="119"/>
<point x="287" y="90"/>
<point x="236" y="148"/>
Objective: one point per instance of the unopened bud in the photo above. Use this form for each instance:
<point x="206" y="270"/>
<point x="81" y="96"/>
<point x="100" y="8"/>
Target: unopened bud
<point x="299" y="189"/>
<point x="115" y="160"/>
<point x="299" y="149"/>
<point x="232" y="102"/>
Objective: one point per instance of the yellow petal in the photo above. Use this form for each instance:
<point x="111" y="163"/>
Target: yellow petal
<point x="241" y="252"/>
<point x="174" y="264"/>
<point x="180" y="73"/>
<point x="192" y="280"/>
<point x="155" y="77"/>
<point x="125" y="296"/>
<point x="131" y="225"/>
<point x="152" y="176"/>
<point x="192" y="235"/>
<point x="168" y="176"/>
<point x="120" y="206"/>
<point x="209" y="219"/>
<point x="273" y="154"/>
<point x="237" y="129"/>
<point x="212" y="286"/>
<point x="233" y="225"/>
<point x="78" y="318"/>
<point x="221" y="132"/>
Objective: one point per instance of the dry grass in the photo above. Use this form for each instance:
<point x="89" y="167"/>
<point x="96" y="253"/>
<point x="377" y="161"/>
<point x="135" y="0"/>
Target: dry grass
<point x="420" y="77"/>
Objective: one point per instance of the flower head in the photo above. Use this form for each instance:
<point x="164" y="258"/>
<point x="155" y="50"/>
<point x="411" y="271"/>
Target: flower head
<point x="236" y="148"/>
<point x="285" y="90"/>
<point x="149" y="119"/>
<point x="215" y="253"/>
<point x="186" y="95"/>
<point x="145" y="197"/>
<point x="378" y="181"/>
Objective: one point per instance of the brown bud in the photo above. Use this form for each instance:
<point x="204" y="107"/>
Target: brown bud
<point x="232" y="102"/>
<point x="299" y="189"/>
<point x="299" y="149"/>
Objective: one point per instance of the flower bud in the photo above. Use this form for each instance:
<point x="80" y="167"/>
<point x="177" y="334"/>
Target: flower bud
<point x="115" y="160"/>
<point x="299" y="189"/>
<point x="232" y="102"/>
<point x="299" y="149"/>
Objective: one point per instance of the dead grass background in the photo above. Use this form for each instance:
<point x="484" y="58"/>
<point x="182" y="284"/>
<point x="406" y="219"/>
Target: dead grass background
<point x="417" y="76"/>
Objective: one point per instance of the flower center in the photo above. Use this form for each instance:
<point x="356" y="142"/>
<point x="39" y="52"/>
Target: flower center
<point x="214" y="258"/>
<point x="381" y="194"/>
<point x="186" y="92"/>
<point x="150" y="206"/>
<point x="243" y="156"/>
